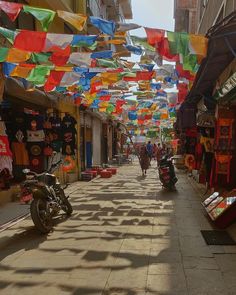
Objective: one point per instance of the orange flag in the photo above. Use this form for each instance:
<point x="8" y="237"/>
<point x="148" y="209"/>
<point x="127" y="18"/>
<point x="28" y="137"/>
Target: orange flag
<point x="17" y="55"/>
<point x="75" y="19"/>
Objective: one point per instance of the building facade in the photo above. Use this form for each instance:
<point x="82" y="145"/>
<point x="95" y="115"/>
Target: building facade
<point x="210" y="12"/>
<point x="185" y="14"/>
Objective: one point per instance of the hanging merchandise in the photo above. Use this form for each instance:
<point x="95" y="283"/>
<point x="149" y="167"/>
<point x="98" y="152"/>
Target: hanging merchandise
<point x="68" y="164"/>
<point x="5" y="158"/>
<point x="68" y="135"/>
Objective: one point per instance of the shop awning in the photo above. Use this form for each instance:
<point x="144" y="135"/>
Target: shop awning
<point x="221" y="52"/>
<point x="15" y="88"/>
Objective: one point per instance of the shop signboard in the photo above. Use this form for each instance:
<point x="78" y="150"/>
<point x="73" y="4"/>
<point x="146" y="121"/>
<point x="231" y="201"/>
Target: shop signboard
<point x="227" y="87"/>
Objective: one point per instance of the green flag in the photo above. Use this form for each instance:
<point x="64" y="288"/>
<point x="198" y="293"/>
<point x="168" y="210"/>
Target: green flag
<point x="178" y="43"/>
<point x="40" y="58"/>
<point x="45" y="16"/>
<point x="142" y="42"/>
<point x="106" y="63"/>
<point x="190" y="63"/>
<point x="38" y="75"/>
<point x="110" y="109"/>
<point x="8" y="34"/>
<point x="3" y="53"/>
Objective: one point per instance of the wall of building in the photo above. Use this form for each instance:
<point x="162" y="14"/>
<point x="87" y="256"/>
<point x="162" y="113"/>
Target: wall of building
<point x="212" y="11"/>
<point x="97" y="133"/>
<point x="185" y="13"/>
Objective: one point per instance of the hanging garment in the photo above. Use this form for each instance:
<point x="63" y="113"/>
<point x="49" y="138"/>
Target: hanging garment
<point x="20" y="154"/>
<point x="4" y="146"/>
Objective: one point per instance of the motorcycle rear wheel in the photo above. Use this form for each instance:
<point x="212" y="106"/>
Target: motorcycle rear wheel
<point x="38" y="210"/>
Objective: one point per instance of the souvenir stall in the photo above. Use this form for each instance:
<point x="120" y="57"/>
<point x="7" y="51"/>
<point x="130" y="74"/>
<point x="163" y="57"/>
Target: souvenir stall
<point x="5" y="158"/>
<point x="36" y="138"/>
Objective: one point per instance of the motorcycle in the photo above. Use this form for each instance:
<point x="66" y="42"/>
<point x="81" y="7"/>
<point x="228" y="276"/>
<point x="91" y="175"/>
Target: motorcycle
<point x="167" y="173"/>
<point x="47" y="198"/>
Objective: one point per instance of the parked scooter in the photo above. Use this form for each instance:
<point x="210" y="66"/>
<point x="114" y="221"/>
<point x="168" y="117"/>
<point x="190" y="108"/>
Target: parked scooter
<point x="47" y="198"/>
<point x="167" y="173"/>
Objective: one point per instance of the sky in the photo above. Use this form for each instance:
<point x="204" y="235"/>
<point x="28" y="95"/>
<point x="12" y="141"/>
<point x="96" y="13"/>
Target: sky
<point x="157" y="14"/>
<point x="154" y="14"/>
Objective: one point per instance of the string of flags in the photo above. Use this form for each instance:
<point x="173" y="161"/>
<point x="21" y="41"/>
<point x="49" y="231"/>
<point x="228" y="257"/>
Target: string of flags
<point x="102" y="80"/>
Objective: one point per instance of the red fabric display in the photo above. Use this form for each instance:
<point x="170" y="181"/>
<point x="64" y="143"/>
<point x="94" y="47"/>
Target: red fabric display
<point x="30" y="40"/>
<point x="223" y="160"/>
<point x="4" y="146"/>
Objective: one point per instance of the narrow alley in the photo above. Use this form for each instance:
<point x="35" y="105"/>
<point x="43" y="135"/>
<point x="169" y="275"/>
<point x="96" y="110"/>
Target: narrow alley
<point x="126" y="236"/>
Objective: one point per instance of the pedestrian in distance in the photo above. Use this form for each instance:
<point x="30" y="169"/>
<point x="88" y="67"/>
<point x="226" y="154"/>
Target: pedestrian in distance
<point x="149" y="148"/>
<point x="144" y="159"/>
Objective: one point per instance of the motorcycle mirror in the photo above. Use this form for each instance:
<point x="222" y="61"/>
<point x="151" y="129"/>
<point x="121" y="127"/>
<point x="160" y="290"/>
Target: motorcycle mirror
<point x="25" y="171"/>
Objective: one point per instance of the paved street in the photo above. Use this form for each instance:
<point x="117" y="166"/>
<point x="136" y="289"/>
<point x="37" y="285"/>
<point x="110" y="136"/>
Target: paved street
<point x="126" y="236"/>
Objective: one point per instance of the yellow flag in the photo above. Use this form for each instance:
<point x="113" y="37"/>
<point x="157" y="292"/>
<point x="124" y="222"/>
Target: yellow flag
<point x="75" y="19"/>
<point x="109" y="78"/>
<point x="17" y="55"/>
<point x="64" y="69"/>
<point x="198" y="44"/>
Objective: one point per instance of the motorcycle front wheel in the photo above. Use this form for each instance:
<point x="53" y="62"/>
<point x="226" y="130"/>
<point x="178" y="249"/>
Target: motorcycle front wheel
<point x="40" y="215"/>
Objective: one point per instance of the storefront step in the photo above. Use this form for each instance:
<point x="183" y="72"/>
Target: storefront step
<point x="9" y="195"/>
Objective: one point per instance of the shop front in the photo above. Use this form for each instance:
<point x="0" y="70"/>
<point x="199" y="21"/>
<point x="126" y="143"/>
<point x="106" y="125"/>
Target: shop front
<point x="35" y="133"/>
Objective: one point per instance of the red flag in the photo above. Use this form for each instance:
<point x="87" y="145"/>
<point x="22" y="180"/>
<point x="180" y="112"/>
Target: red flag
<point x="53" y="80"/>
<point x="183" y="91"/>
<point x="30" y="41"/>
<point x="11" y="9"/>
<point x="142" y="75"/>
<point x="183" y="73"/>
<point x="61" y="56"/>
<point x="119" y="104"/>
<point x="105" y="98"/>
<point x="164" y="50"/>
<point x="154" y="36"/>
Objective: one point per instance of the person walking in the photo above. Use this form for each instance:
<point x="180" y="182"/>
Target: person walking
<point x="149" y="148"/>
<point x="144" y="159"/>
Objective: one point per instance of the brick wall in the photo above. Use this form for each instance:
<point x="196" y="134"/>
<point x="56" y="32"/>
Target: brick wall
<point x="186" y="4"/>
<point x="185" y="15"/>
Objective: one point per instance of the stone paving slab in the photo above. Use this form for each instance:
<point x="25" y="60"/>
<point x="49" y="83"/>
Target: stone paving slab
<point x="127" y="236"/>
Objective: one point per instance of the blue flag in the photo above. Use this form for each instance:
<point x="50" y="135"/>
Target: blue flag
<point x="107" y="27"/>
